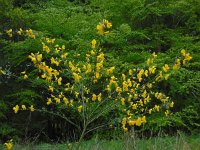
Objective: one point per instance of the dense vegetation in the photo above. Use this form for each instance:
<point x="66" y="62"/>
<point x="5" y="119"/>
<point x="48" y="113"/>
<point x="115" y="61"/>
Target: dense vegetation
<point x="139" y="29"/>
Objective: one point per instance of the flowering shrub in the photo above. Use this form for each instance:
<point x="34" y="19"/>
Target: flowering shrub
<point x="92" y="88"/>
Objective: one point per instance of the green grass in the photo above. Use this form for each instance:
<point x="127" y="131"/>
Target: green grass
<point x="179" y="142"/>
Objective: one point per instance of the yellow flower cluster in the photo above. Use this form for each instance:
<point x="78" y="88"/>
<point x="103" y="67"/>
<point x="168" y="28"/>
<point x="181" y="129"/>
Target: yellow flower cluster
<point x="20" y="32"/>
<point x="9" y="144"/>
<point x="186" y="56"/>
<point x="96" y="97"/>
<point x="30" y="33"/>
<point x="9" y="33"/>
<point x="94" y="42"/>
<point x="138" y="122"/>
<point x="16" y="108"/>
<point x="135" y="93"/>
<point x="151" y="59"/>
<point x="103" y="27"/>
<point x="80" y="108"/>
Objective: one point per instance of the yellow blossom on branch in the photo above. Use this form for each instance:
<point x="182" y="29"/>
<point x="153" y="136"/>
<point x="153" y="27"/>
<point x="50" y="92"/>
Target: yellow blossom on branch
<point x="94" y="97"/>
<point x="32" y="108"/>
<point x="49" y="101"/>
<point x="94" y="42"/>
<point x="9" y="145"/>
<point x="23" y="107"/>
<point x="16" y="109"/>
<point x="59" y="81"/>
<point x="80" y="108"/>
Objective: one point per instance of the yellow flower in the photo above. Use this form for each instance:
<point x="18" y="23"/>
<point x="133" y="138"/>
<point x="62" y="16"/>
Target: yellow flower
<point x="9" y="32"/>
<point x="89" y="68"/>
<point x="176" y="66"/>
<point x="149" y="61"/>
<point x="125" y="129"/>
<point x="71" y="103"/>
<point x="53" y="61"/>
<point x="9" y="145"/>
<point x="130" y="72"/>
<point x="59" y="81"/>
<point x="25" y="77"/>
<point x="138" y="121"/>
<point x="49" y="101"/>
<point x="188" y="57"/>
<point x="32" y="57"/>
<point x="110" y="70"/>
<point x="152" y="69"/>
<point x="183" y="52"/>
<point x="94" y="97"/>
<point x="118" y="90"/>
<point x="154" y="55"/>
<point x="92" y="53"/>
<point x="64" y="55"/>
<point x="80" y="108"/>
<point x="124" y="120"/>
<point x="76" y="94"/>
<point x="134" y="106"/>
<point x="144" y="119"/>
<point x="23" y="107"/>
<point x="100" y="57"/>
<point x="172" y="104"/>
<point x="20" y="31"/>
<point x="149" y="85"/>
<point x="66" y="101"/>
<point x="51" y="88"/>
<point x="32" y="108"/>
<point x="107" y="24"/>
<point x="123" y="101"/>
<point x="94" y="42"/>
<point x="63" y="47"/>
<point x="178" y="61"/>
<point x="165" y="68"/>
<point x="43" y="76"/>
<point x="100" y="29"/>
<point x="150" y="110"/>
<point x="144" y="94"/>
<point x="77" y="77"/>
<point x="39" y="57"/>
<point x="57" y="100"/>
<point x="131" y="122"/>
<point x="16" y="109"/>
<point x="99" y="97"/>
<point x="146" y="73"/>
<point x="24" y="72"/>
<point x="99" y="66"/>
<point x="97" y="75"/>
<point x="30" y="34"/>
<point x="166" y="113"/>
<point x="157" y="107"/>
<point x="124" y="77"/>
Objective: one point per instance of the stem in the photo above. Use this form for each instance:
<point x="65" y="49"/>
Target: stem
<point x="82" y="136"/>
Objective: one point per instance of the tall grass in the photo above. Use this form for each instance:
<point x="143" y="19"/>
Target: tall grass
<point x="129" y="142"/>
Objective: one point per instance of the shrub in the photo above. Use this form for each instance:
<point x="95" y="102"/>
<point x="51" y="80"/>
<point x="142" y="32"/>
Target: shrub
<point x="89" y="94"/>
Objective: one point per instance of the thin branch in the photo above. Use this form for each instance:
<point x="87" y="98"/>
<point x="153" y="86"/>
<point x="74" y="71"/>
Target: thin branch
<point x="65" y="118"/>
